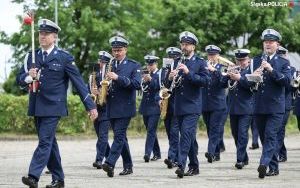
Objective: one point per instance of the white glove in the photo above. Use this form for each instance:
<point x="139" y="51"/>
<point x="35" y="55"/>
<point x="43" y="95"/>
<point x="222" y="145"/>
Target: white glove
<point x="28" y="79"/>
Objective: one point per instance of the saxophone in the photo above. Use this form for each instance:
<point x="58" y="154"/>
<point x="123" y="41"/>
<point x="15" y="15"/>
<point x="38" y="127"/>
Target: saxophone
<point x="165" y="93"/>
<point x="105" y="84"/>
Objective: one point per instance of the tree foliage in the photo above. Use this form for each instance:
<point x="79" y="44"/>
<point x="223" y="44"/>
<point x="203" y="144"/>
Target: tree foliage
<point x="152" y="26"/>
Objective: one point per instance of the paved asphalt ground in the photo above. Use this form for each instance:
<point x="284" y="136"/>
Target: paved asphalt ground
<point x="78" y="155"/>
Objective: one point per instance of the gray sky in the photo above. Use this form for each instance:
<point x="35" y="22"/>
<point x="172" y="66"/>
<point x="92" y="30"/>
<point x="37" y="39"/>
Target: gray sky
<point x="9" y="24"/>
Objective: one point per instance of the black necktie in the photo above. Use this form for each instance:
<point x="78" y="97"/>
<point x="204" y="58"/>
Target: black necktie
<point x="117" y="63"/>
<point x="45" y="54"/>
<point x="268" y="59"/>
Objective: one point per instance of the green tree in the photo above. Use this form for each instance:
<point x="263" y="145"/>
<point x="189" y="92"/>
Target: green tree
<point x="223" y="23"/>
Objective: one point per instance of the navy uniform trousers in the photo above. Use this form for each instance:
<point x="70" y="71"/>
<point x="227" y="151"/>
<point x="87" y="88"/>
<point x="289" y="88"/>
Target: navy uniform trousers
<point x="152" y="145"/>
<point x="120" y="145"/>
<point x="254" y="132"/>
<point x="188" y="143"/>
<point x="224" y="118"/>
<point x="282" y="153"/>
<point x="102" y="145"/>
<point x="47" y="152"/>
<point x="239" y="128"/>
<point x="268" y="128"/>
<point x="172" y="129"/>
<point x="213" y="121"/>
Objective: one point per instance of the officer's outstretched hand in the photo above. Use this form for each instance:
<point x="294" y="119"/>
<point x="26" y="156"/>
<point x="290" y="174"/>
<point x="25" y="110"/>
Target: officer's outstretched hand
<point x="93" y="114"/>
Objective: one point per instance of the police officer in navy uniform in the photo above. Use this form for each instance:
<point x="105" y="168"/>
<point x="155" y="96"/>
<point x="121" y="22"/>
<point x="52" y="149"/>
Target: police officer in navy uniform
<point x="282" y="153"/>
<point x="102" y="123"/>
<point x="194" y="75"/>
<point x="171" y="123"/>
<point x="214" y="104"/>
<point x="121" y="101"/>
<point x="51" y="73"/>
<point x="240" y="105"/>
<point x="269" y="105"/>
<point x="149" y="107"/>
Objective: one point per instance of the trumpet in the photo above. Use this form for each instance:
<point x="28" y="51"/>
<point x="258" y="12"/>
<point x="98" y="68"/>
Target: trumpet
<point x="231" y="69"/>
<point x="257" y="76"/>
<point x="295" y="82"/>
<point x="225" y="62"/>
<point x="144" y="84"/>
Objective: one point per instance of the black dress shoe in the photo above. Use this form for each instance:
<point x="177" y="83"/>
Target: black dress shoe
<point x="239" y="165"/>
<point x="282" y="159"/>
<point x="217" y="157"/>
<point x="56" y="184"/>
<point x="30" y="181"/>
<point x="206" y="155"/>
<point x="192" y="172"/>
<point x="246" y="163"/>
<point x="222" y="149"/>
<point x="254" y="146"/>
<point x="48" y="172"/>
<point x="211" y="158"/>
<point x="126" y="171"/>
<point x="155" y="158"/>
<point x="146" y="158"/>
<point x="180" y="172"/>
<point x="109" y="169"/>
<point x="97" y="164"/>
<point x="168" y="162"/>
<point x="272" y="173"/>
<point x="262" y="171"/>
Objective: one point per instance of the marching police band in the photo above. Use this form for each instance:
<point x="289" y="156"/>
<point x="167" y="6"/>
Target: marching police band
<point x="259" y="93"/>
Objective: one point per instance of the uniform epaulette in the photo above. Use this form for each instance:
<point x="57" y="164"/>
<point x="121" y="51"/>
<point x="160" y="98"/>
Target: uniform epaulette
<point x="133" y="61"/>
<point x="63" y="51"/>
<point x="282" y="58"/>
